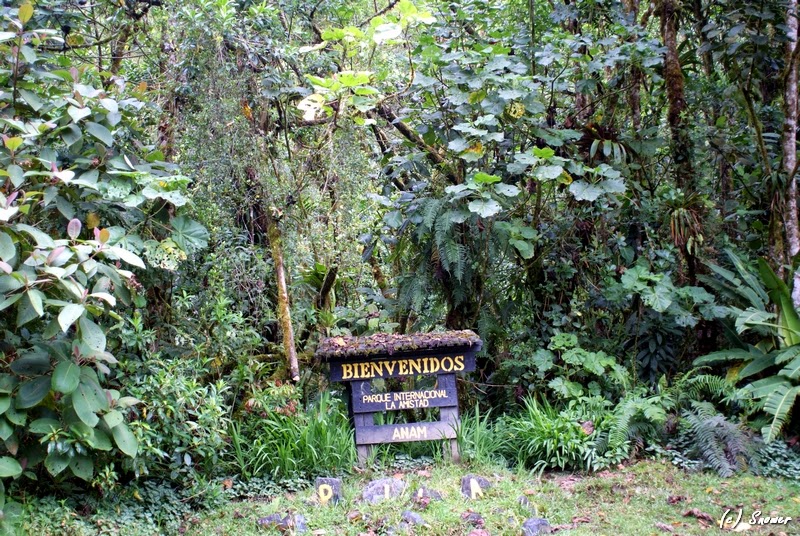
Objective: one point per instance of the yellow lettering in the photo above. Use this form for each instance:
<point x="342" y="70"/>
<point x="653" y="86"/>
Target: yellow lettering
<point x="347" y="371"/>
<point x="377" y="369"/>
<point x="425" y="365"/>
<point x="403" y="367"/>
<point x="390" y="367"/>
<point x="434" y="365"/>
<point x="459" y="362"/>
<point x="415" y="364"/>
<point x="325" y="493"/>
<point x="474" y="489"/>
<point x="364" y="369"/>
<point x="447" y="368"/>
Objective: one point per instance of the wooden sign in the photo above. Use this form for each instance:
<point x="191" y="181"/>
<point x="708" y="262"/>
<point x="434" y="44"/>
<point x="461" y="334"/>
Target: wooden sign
<point x="359" y="360"/>
<point x="395" y="367"/>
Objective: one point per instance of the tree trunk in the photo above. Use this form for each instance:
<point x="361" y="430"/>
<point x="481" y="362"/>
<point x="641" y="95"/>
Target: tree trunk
<point x="636" y="74"/>
<point x="284" y="313"/>
<point x="789" y="146"/>
<point x="673" y="78"/>
<point x="681" y="144"/>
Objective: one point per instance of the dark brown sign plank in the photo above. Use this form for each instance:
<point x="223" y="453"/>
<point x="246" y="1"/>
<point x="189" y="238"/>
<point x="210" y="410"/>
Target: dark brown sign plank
<point x="444" y="394"/>
<point x="397" y="366"/>
<point x="401" y="433"/>
<point x="429" y="398"/>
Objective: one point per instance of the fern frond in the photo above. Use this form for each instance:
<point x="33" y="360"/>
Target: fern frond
<point x="779" y="404"/>
<point x="429" y="213"/>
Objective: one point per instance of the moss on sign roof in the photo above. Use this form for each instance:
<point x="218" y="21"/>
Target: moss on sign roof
<point x="387" y="343"/>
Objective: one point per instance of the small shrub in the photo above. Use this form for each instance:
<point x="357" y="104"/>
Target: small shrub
<point x="477" y="440"/>
<point x="706" y="439"/>
<point x="776" y="459"/>
<point x="288" y="443"/>
<point x="546" y="438"/>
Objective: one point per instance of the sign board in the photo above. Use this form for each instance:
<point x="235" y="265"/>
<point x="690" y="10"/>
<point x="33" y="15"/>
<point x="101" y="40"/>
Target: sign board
<point x="359" y="360"/>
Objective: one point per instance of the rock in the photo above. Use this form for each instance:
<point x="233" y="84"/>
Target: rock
<point x="536" y="525"/>
<point x="329" y="490"/>
<point x="474" y="519"/>
<point x="382" y="489"/>
<point x="525" y="503"/>
<point x="412" y="518"/>
<point x="473" y="486"/>
<point x="300" y="526"/>
<point x="423" y="492"/>
<point x="296" y="522"/>
<point x="272" y="520"/>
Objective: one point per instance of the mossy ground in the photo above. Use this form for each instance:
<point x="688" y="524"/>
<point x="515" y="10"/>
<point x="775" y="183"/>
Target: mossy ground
<point x="630" y="500"/>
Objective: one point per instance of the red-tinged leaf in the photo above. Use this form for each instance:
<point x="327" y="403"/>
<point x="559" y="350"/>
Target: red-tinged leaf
<point x="74" y="228"/>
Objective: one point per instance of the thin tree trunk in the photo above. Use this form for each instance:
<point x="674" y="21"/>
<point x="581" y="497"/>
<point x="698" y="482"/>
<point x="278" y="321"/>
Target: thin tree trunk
<point x="673" y="78"/>
<point x="789" y="143"/>
<point x="636" y="75"/>
<point x="681" y="147"/>
<point x="284" y="312"/>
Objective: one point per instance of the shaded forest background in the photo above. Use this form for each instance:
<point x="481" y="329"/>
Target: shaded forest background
<point x="193" y="193"/>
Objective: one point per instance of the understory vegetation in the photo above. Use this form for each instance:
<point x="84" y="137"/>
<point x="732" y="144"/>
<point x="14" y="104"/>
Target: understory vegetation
<point x="194" y="193"/>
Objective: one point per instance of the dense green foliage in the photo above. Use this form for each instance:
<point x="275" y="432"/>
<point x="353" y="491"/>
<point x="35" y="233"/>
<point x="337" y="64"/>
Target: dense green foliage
<point x="193" y="193"/>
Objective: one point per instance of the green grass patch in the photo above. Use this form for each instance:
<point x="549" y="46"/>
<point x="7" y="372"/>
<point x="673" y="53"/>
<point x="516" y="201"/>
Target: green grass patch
<point x="630" y="501"/>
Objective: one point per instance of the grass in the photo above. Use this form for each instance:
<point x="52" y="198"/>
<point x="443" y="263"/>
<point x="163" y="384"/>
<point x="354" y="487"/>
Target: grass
<point x="628" y="501"/>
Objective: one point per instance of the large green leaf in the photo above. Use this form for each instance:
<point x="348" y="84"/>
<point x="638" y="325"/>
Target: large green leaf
<point x="66" y="377"/>
<point x="752" y="317"/>
<point x="127" y="256"/>
<point x="189" y="234"/>
<point x="5" y="429"/>
<point x="757" y="295"/>
<point x="765" y="387"/>
<point x="85" y="404"/>
<point x="524" y="247"/>
<point x="787" y="354"/>
<point x="125" y="439"/>
<point x="32" y="392"/>
<point x="7" y="249"/>
<point x="31" y="364"/>
<point x="779" y="404"/>
<point x="92" y="334"/>
<point x="82" y="467"/>
<point x="659" y="298"/>
<point x="8" y="383"/>
<point x="100" y="132"/>
<point x="16" y="417"/>
<point x="56" y="462"/>
<point x="99" y="440"/>
<point x="585" y="191"/>
<point x="757" y="365"/>
<point x="790" y="322"/>
<point x="69" y="314"/>
<point x="9" y="467"/>
<point x="780" y="295"/>
<point x="113" y="418"/>
<point x="90" y="379"/>
<point x="44" y="426"/>
<point x="485" y="208"/>
<point x="42" y="239"/>
<point x="5" y="403"/>
<point x="27" y="310"/>
<point x="792" y="370"/>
